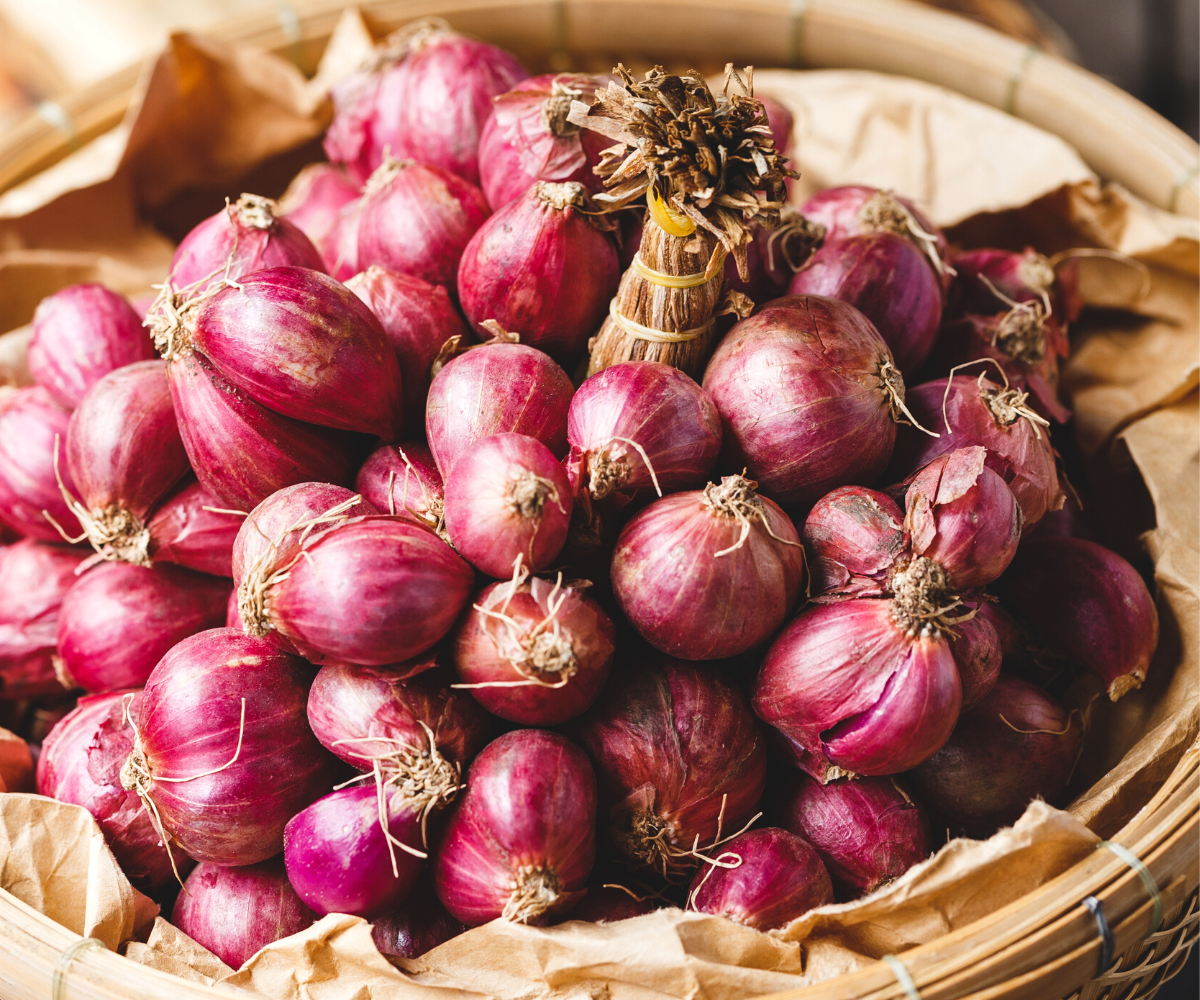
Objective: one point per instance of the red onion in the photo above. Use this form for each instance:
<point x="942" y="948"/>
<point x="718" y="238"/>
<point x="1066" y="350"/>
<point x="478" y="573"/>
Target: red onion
<point x="1016" y="745"/>
<point x="853" y="537"/>
<point x="534" y="653"/>
<point x="861" y="686"/>
<point x="508" y="504"/>
<point x="976" y="648"/>
<point x="119" y="620"/>
<point x="81" y="334"/>
<point x="418" y="319"/>
<point x="521" y="843"/>
<point x="708" y="573"/>
<point x="339" y="246"/>
<point x="242" y="238"/>
<point x="809" y="397"/>
<point x="125" y="453"/>
<point x="527" y="137"/>
<point x="418" y="925"/>
<point x="606" y="904"/>
<point x="1088" y="603"/>
<point x="81" y="762"/>
<point x="223" y="755"/>
<point x="314" y="198"/>
<point x="979" y="412"/>
<point x="426" y="95"/>
<point x="542" y="266"/>
<point x="234" y="912"/>
<point x="1008" y="632"/>
<point x="30" y="424"/>
<point x="763" y="879"/>
<point x="233" y="618"/>
<point x="417" y="219"/>
<point x="190" y="529"/>
<point x="681" y="762"/>
<point x="403" y="479"/>
<point x="641" y="426"/>
<point x="1022" y="277"/>
<point x="779" y="119"/>
<point x="868" y="831"/>
<point x="339" y="860"/>
<point x="496" y="388"/>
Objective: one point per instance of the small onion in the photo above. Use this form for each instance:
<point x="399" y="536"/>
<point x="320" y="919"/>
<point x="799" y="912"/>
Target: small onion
<point x="976" y="648"/>
<point x="1021" y="277"/>
<point x="403" y="479"/>
<point x="1008" y="632"/>
<point x="853" y="536"/>
<point x="189" y="529"/>
<point x="30" y="424"/>
<point x="315" y="197"/>
<point x="418" y="925"/>
<point x="605" y="904"/>
<point x="521" y="843"/>
<point x="339" y="246"/>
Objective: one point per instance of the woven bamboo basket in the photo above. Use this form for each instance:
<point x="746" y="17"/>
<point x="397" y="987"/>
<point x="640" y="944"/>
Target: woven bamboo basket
<point x="1046" y="944"/>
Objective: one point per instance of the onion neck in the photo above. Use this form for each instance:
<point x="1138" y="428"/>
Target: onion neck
<point x="255" y="211"/>
<point x="550" y="654"/>
<point x="560" y="195"/>
<point x="527" y="493"/>
<point x="1036" y="271"/>
<point x="646" y="837"/>
<point x="117" y="535"/>
<point x="252" y="601"/>
<point x="883" y="212"/>
<point x="1007" y="406"/>
<point x="384" y="174"/>
<point x="422" y="777"/>
<point x="606" y="474"/>
<point x="557" y="106"/>
<point x="535" y="888"/>
<point x="921" y="597"/>
<point x="1021" y="334"/>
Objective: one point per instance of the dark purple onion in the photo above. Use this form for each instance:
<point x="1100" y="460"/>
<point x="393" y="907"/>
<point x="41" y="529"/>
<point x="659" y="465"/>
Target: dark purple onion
<point x="853" y="536"/>
<point x="418" y="925"/>
<point x="977" y="651"/>
<point x="606" y="904"/>
<point x="403" y="479"/>
<point x="189" y="529"/>
<point x="30" y="423"/>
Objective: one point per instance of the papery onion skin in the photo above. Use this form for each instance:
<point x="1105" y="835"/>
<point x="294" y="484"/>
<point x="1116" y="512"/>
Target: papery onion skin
<point x="119" y="620"/>
<point x="989" y="771"/>
<point x="302" y="344"/>
<point x="30" y="421"/>
<point x="314" y="198"/>
<point x="575" y="650"/>
<point x="780" y="877"/>
<point x="190" y="723"/>
<point x="418" y="925"/>
<point x="680" y="760"/>
<point x="403" y="479"/>
<point x="184" y="532"/>
<point x="800" y="391"/>
<point x="80" y="334"/>
<point x="508" y="500"/>
<point x="868" y="831"/>
<point x="665" y="413"/>
<point x="977" y="651"/>
<point x="852" y="692"/>
<point x="852" y="537"/>
<point x="527" y="821"/>
<point x="693" y="585"/>
<point x="1090" y="604"/>
<point x="234" y="912"/>
<point x="337" y="857"/>
<point x="494" y="389"/>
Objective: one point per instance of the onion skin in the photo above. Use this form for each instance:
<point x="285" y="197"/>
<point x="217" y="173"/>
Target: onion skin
<point x="780" y="877"/>
<point x="580" y="640"/>
<point x="527" y="821"/>
<point x="182" y="531"/>
<point x="851" y="692"/>
<point x="1090" y="604"/>
<point x="867" y="831"/>
<point x="314" y="198"/>
<point x="337" y="857"/>
<point x="233" y="618"/>
<point x="419" y="925"/>
<point x="852" y="537"/>
<point x="692" y="586"/>
<point x="541" y="267"/>
<point x="988" y="772"/>
<point x="412" y="489"/>
<point x="475" y="396"/>
<point x="789" y="376"/>
<point x="30" y="421"/>
<point x="674" y="744"/>
<point x="979" y="654"/>
<point x="235" y="912"/>
<point x="119" y="620"/>
<point x="605" y="905"/>
<point x="339" y="246"/>
<point x="1022" y="277"/>
<point x="418" y="318"/>
<point x="658" y="407"/>
<point x="508" y="500"/>
<point x="190" y="723"/>
<point x="300" y="343"/>
<point x="80" y="335"/>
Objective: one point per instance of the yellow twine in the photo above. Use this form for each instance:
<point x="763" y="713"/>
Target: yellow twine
<point x="657" y="336"/>
<point x="671" y="280"/>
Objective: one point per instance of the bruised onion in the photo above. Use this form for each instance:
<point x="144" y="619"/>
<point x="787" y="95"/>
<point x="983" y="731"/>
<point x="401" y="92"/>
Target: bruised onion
<point x="418" y="925"/>
<point x="30" y="425"/>
<point x="521" y="843"/>
<point x="403" y="479"/>
<point x="762" y="879"/>
<point x="314" y="198"/>
<point x="853" y="536"/>
<point x="80" y="335"/>
<point x="708" y="573"/>
<point x="189" y="528"/>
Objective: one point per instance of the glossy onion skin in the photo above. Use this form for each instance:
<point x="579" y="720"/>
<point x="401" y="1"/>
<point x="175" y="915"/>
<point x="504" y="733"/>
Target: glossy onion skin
<point x="30" y="421"/>
<point x="410" y="489"/>
<point x="852" y="537"/>
<point x="184" y="532"/>
<point x="418" y="925"/>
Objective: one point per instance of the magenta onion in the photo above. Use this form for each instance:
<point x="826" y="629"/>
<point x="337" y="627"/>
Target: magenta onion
<point x="81" y="762"/>
<point x="641" y="426"/>
<point x="235" y="912"/>
<point x="339" y="246"/>
<point x="605" y="904"/>
<point x="403" y="479"/>
<point x="868" y="831"/>
<point x="119" y="620"/>
<point x="977" y="650"/>
<point x="315" y="197"/>
<point x="861" y="686"/>
<point x="541" y="266"/>
<point x="808" y="395"/>
<point x="852" y="537"/>
<point x="492" y="389"/>
<point x="534" y="653"/>
<point x="223" y="755"/>
<point x="1016" y="745"/>
<point x="190" y="529"/>
<point x="418" y="925"/>
<point x="708" y="573"/>
<point x="80" y="335"/>
<point x="418" y="319"/>
<point x="426" y="95"/>
<point x="233" y="618"/>
<point x="417" y="219"/>
<point x="1088" y="603"/>
<point x="508" y="505"/>
<point x="762" y="879"/>
<point x="680" y="758"/>
<point x="339" y="860"/>
<point x="30" y="424"/>
<point x="1020" y="277"/>
<point x="521" y="843"/>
